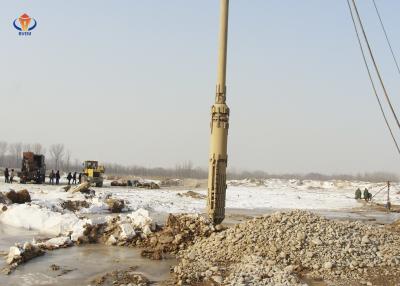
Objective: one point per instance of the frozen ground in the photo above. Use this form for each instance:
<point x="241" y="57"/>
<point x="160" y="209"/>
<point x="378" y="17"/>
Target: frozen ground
<point x="45" y="212"/>
<point x="44" y="216"/>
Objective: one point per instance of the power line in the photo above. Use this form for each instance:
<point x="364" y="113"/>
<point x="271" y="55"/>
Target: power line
<point x="371" y="79"/>
<point x="375" y="64"/>
<point x="387" y="37"/>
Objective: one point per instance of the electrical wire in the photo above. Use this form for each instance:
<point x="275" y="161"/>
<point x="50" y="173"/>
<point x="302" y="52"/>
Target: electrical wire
<point x="371" y="79"/>
<point x="387" y="37"/>
<point x="375" y="64"/>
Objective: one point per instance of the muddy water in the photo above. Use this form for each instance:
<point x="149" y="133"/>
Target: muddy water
<point x="78" y="265"/>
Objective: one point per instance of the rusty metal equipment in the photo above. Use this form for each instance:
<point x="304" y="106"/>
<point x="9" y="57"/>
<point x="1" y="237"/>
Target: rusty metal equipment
<point x="33" y="168"/>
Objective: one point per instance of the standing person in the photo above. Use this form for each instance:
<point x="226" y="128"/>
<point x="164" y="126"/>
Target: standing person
<point x="51" y="176"/>
<point x="6" y="175"/>
<point x="366" y="195"/>
<point x="74" y="178"/>
<point x="69" y="177"/>
<point x="58" y="177"/>
<point x="12" y="174"/>
<point x="358" y="194"/>
<point x="80" y="178"/>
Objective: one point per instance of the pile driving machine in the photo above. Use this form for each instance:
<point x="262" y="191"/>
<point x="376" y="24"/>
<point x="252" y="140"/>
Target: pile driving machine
<point x="33" y="168"/>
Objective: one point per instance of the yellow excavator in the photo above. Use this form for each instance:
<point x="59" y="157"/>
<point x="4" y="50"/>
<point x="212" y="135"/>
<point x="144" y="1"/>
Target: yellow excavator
<point x="93" y="173"/>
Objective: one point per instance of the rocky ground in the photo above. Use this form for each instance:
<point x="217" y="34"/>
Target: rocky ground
<point x="290" y="249"/>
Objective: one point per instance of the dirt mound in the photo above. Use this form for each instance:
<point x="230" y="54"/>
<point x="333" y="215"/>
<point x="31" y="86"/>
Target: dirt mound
<point x="74" y="205"/>
<point x="19" y="197"/>
<point x="282" y="248"/>
<point x="146" y="185"/>
<point x="115" y="205"/>
<point x="123" y="277"/>
<point x="119" y="184"/>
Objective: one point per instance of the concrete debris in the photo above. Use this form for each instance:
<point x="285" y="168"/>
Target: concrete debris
<point x="20" y="254"/>
<point x="19" y="197"/>
<point x="56" y="243"/>
<point x="285" y="248"/>
<point x="83" y="188"/>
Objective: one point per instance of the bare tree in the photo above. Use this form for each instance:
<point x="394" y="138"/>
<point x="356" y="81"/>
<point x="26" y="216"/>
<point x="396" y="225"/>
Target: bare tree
<point x="38" y="149"/>
<point x="3" y="151"/>
<point x="67" y="160"/>
<point x="57" y="152"/>
<point x="16" y="151"/>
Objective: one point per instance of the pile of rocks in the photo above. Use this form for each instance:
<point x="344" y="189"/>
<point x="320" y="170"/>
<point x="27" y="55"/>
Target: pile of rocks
<point x="179" y="232"/>
<point x="126" y="277"/>
<point x="285" y="248"/>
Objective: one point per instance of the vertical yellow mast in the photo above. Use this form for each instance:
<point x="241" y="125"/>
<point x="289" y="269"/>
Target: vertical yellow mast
<point x="219" y="129"/>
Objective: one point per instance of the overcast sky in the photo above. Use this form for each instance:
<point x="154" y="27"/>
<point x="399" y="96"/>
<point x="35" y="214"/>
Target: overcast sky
<point x="133" y="82"/>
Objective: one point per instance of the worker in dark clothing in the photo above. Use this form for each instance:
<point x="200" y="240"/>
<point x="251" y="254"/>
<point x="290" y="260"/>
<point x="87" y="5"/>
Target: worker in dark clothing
<point x="80" y="178"/>
<point x="51" y="176"/>
<point x="74" y="178"/>
<point x="6" y="175"/>
<point x="69" y="178"/>
<point x="58" y="177"/>
<point x="367" y="195"/>
<point x="12" y="175"/>
<point x="358" y="194"/>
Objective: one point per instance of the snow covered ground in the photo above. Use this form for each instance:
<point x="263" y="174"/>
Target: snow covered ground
<point x="46" y="214"/>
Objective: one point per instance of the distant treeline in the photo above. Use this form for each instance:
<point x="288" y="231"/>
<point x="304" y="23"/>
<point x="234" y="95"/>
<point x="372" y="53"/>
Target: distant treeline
<point x="59" y="158"/>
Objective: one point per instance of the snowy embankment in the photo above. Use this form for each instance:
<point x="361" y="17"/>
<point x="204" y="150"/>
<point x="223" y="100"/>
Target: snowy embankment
<point x="46" y="214"/>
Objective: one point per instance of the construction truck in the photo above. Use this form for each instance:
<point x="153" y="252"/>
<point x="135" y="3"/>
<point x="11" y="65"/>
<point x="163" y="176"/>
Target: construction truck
<point x="93" y="173"/>
<point x="33" y="168"/>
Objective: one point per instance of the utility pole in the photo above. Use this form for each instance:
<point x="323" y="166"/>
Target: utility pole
<point x="388" y="205"/>
<point x="218" y="159"/>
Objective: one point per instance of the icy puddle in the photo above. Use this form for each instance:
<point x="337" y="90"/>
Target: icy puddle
<point x="79" y="265"/>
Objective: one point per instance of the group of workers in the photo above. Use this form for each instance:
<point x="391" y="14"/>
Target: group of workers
<point x="367" y="195"/>
<point x="9" y="176"/>
<point x="56" y="176"/>
<point x="73" y="178"/>
<point x="53" y="176"/>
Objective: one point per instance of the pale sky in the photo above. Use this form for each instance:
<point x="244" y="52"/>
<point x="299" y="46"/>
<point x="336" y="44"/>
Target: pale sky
<point x="133" y="81"/>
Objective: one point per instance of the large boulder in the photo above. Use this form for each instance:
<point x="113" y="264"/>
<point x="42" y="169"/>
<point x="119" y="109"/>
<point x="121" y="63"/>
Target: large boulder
<point x="19" y="197"/>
